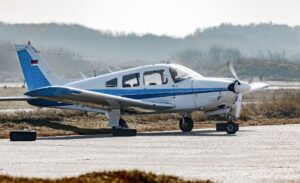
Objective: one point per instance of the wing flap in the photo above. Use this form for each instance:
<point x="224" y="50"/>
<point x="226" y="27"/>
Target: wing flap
<point x="86" y="97"/>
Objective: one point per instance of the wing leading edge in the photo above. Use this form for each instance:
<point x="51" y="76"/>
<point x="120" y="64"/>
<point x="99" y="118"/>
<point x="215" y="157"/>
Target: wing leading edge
<point x="88" y="98"/>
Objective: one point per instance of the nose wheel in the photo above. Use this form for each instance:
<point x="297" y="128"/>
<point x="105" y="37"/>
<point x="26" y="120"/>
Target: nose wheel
<point x="186" y="124"/>
<point x="230" y="127"/>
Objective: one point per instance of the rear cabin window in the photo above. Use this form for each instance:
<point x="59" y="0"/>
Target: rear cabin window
<point x="157" y="77"/>
<point x="131" y="80"/>
<point x="112" y="83"/>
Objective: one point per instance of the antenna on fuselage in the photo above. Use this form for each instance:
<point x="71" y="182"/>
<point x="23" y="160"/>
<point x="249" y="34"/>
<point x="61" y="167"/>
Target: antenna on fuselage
<point x="95" y="73"/>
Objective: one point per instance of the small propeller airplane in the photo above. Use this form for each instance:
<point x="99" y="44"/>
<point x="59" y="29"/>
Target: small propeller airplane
<point x="158" y="88"/>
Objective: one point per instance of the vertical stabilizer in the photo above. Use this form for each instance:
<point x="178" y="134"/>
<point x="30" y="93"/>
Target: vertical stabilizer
<point x="36" y="71"/>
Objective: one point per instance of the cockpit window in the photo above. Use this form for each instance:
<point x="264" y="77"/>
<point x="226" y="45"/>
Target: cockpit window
<point x="180" y="73"/>
<point x="156" y="77"/>
<point x="112" y="83"/>
<point x="131" y="80"/>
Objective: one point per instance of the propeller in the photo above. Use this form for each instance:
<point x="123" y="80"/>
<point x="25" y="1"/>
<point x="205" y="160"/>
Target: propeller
<point x="240" y="88"/>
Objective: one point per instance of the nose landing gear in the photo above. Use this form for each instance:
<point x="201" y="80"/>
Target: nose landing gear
<point x="230" y="127"/>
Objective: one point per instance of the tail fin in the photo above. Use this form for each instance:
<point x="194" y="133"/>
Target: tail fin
<point x="36" y="72"/>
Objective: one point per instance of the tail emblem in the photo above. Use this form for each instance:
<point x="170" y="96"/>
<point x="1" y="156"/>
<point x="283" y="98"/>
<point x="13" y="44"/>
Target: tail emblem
<point x="34" y="62"/>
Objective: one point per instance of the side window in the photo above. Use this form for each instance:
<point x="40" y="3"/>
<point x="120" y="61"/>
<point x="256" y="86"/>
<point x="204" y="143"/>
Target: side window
<point x="131" y="80"/>
<point x="157" y="77"/>
<point x="112" y="83"/>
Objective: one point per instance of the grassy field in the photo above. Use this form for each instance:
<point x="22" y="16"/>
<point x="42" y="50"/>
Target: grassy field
<point x="269" y="107"/>
<point x="134" y="176"/>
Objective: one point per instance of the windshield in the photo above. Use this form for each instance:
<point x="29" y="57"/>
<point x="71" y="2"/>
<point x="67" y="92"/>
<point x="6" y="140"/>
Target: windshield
<point x="180" y="73"/>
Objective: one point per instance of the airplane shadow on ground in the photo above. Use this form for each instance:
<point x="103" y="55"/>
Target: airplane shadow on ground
<point x="84" y="133"/>
<point x="192" y="133"/>
<point x="60" y="126"/>
<point x="73" y="137"/>
<point x="195" y="132"/>
<point x="148" y="134"/>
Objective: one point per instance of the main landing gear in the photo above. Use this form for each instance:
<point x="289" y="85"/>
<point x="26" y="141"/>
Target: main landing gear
<point x="119" y="125"/>
<point x="186" y="123"/>
<point x="123" y="129"/>
<point x="230" y="127"/>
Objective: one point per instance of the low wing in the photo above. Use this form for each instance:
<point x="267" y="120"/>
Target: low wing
<point x="23" y="98"/>
<point x="257" y="86"/>
<point x="90" y="98"/>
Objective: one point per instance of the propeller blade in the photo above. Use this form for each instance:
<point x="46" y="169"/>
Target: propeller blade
<point x="230" y="66"/>
<point x="239" y="102"/>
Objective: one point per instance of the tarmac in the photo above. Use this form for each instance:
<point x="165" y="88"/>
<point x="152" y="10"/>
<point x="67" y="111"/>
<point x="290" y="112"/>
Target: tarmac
<point x="254" y="154"/>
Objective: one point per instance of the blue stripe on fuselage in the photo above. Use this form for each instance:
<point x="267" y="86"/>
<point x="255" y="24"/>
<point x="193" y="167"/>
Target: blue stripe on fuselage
<point x="136" y="94"/>
<point x="156" y="93"/>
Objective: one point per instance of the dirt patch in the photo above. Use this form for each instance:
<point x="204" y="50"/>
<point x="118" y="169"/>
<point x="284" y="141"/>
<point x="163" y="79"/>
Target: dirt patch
<point x="134" y="176"/>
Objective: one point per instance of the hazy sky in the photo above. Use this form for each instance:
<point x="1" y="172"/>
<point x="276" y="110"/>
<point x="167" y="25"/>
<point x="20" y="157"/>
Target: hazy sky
<point x="172" y="17"/>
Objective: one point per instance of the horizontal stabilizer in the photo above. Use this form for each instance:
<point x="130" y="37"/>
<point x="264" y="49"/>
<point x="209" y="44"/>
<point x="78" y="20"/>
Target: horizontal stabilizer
<point x="23" y="98"/>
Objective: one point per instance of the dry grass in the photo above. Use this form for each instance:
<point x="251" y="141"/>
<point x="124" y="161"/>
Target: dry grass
<point x="273" y="104"/>
<point x="134" y="176"/>
<point x="55" y="122"/>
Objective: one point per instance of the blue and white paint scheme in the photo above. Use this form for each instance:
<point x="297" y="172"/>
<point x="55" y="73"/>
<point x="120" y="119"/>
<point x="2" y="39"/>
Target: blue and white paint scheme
<point x="158" y="88"/>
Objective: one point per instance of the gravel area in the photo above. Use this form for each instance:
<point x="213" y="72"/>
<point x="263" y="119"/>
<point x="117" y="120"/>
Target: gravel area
<point x="254" y="154"/>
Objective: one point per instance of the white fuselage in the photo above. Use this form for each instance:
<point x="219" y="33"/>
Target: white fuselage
<point x="156" y="83"/>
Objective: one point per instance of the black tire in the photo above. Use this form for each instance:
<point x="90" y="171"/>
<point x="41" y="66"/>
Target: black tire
<point x="187" y="125"/>
<point x="231" y="128"/>
<point x="22" y="136"/>
<point x="123" y="123"/>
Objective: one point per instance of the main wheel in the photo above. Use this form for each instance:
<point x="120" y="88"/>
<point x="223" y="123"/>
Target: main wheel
<point x="231" y="128"/>
<point x="186" y="124"/>
<point x="123" y="123"/>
